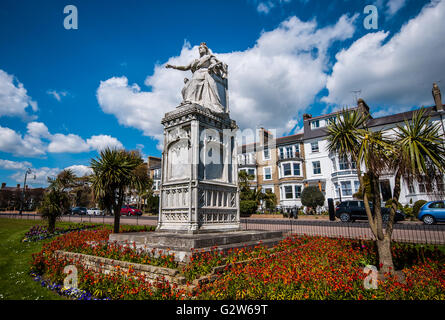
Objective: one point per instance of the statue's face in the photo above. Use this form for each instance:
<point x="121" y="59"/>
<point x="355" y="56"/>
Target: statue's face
<point x="202" y="50"/>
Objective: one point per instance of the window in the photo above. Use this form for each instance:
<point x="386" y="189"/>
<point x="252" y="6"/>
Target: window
<point x="281" y="153"/>
<point x="356" y="186"/>
<point x="331" y="120"/>
<point x="316" y="167"/>
<point x="437" y="205"/>
<point x="346" y="188"/>
<point x="343" y="163"/>
<point x="288" y="192"/>
<point x="337" y="190"/>
<point x="411" y="188"/>
<point x="297" y="148"/>
<point x="287" y="169"/>
<point x="297" y="171"/>
<point x="297" y="191"/>
<point x="422" y="186"/>
<point x="266" y="154"/>
<point x="314" y="146"/>
<point x="315" y="124"/>
<point x="267" y="173"/>
<point x="289" y="152"/>
<point x="251" y="172"/>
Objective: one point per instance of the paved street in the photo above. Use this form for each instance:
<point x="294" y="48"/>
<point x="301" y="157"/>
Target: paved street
<point x="406" y="231"/>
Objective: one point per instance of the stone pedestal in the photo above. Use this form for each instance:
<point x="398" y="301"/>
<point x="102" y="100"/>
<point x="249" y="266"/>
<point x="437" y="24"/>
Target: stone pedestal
<point x="181" y="244"/>
<point x="199" y="191"/>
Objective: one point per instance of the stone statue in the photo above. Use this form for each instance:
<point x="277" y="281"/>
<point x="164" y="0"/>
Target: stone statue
<point x="208" y="85"/>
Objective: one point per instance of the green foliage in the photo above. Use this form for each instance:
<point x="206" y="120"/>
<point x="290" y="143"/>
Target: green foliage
<point x="416" y="207"/>
<point x="115" y="171"/>
<point x="312" y="197"/>
<point x="54" y="204"/>
<point x="248" y="207"/>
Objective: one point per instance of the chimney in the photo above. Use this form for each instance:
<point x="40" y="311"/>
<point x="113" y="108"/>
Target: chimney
<point x="437" y="97"/>
<point x="3" y="185"/>
<point x="362" y="106"/>
<point x="306" y="116"/>
<point x="18" y="185"/>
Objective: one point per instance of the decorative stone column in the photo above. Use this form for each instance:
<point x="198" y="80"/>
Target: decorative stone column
<point x="199" y="188"/>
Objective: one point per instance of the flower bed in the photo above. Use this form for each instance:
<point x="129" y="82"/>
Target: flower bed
<point x="39" y="232"/>
<point x="296" y="268"/>
<point x="319" y="268"/>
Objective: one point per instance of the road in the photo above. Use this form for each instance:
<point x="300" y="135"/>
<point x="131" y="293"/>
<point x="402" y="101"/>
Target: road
<point x="406" y="231"/>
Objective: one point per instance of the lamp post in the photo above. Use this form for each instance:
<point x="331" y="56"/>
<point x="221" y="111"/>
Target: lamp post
<point x="28" y="171"/>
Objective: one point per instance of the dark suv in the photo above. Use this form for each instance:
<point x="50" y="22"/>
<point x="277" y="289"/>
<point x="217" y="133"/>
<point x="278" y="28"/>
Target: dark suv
<point x="355" y="210"/>
<point x="78" y="210"/>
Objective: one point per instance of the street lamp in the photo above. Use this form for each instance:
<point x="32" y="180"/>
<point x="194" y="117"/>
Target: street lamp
<point x="28" y="171"/>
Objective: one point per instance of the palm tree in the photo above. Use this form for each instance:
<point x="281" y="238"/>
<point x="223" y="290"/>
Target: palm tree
<point x="416" y="152"/>
<point x="114" y="171"/>
<point x="56" y="200"/>
<point x="419" y="156"/>
<point x="349" y="137"/>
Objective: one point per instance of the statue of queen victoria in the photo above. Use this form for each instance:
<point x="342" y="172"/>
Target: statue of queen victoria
<point x="208" y="85"/>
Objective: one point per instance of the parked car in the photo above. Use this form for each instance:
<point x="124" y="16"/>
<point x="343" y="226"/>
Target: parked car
<point x="432" y="212"/>
<point x="348" y="211"/>
<point x="94" y="212"/>
<point x="79" y="210"/>
<point x="130" y="211"/>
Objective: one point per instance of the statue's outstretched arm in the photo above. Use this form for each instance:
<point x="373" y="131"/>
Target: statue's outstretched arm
<point x="182" y="68"/>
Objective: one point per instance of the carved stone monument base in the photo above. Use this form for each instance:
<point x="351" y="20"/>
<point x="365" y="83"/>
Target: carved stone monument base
<point x="181" y="245"/>
<point x="199" y="191"/>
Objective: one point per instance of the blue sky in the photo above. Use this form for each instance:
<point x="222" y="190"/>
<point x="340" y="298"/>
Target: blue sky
<point x="65" y="94"/>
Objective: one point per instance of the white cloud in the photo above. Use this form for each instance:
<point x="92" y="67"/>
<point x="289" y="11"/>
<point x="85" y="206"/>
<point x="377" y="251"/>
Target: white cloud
<point x="80" y="170"/>
<point x="38" y="141"/>
<point x="57" y="94"/>
<point x="265" y="6"/>
<point x="398" y="73"/>
<point x="14" y="165"/>
<point x="269" y="84"/>
<point x="12" y="142"/>
<point x="14" y="100"/>
<point x="41" y="176"/>
<point x="70" y="143"/>
<point x="394" y="6"/>
<point x="101" y="142"/>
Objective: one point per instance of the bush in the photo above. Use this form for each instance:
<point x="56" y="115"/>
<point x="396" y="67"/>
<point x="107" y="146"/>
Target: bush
<point x="312" y="197"/>
<point x="417" y="205"/>
<point x="247" y="207"/>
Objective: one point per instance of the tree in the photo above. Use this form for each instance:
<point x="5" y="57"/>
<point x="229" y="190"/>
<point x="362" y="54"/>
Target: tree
<point x="114" y="171"/>
<point x="312" y="197"/>
<point x="414" y="152"/>
<point x="56" y="200"/>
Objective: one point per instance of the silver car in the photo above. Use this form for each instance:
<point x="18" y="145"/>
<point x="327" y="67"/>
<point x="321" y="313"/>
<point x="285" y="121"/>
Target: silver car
<point x="94" y="212"/>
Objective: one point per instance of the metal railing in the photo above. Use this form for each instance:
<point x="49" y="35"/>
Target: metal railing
<point x="411" y="232"/>
<point x="406" y="231"/>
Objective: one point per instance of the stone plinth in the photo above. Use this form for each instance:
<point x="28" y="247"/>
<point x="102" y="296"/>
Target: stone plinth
<point x="199" y="189"/>
<point x="181" y="245"/>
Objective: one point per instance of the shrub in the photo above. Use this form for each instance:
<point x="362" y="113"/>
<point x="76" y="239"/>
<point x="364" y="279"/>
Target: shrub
<point x="312" y="197"/>
<point x="416" y="207"/>
<point x="247" y="207"/>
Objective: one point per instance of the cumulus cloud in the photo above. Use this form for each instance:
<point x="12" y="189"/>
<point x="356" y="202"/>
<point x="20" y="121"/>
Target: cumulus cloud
<point x="269" y="84"/>
<point x="41" y="176"/>
<point x="101" y="142"/>
<point x="14" y="165"/>
<point x="14" y="99"/>
<point x="397" y="73"/>
<point x="80" y="170"/>
<point x="38" y="141"/>
<point x="13" y="142"/>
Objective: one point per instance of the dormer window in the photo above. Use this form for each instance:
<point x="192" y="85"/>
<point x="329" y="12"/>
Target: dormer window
<point x="315" y="124"/>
